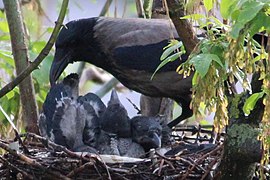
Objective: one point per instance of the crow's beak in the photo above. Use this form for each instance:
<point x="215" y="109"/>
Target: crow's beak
<point x="60" y="62"/>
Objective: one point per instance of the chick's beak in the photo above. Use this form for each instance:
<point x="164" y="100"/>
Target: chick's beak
<point x="156" y="141"/>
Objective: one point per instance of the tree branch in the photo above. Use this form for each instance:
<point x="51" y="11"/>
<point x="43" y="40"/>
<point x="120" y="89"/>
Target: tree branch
<point x="183" y="27"/>
<point x="21" y="58"/>
<point x="45" y="51"/>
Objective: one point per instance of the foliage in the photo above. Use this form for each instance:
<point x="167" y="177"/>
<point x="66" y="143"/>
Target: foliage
<point x="11" y="102"/>
<point x="167" y="55"/>
<point x="228" y="52"/>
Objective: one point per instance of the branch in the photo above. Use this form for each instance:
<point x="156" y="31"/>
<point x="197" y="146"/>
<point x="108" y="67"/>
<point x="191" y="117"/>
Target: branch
<point x="183" y="27"/>
<point x="21" y="58"/>
<point x="45" y="51"/>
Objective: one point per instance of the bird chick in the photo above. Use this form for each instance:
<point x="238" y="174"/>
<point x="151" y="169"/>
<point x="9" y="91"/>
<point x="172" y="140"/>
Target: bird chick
<point x="115" y="119"/>
<point x="68" y="88"/>
<point x="63" y="119"/>
<point x="145" y="134"/>
<point x="146" y="131"/>
<point x="94" y="108"/>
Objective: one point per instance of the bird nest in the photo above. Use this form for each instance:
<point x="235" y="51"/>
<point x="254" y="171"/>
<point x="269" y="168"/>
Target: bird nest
<point x="38" y="158"/>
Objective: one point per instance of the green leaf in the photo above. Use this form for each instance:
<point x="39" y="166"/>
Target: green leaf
<point x="251" y="102"/>
<point x="44" y="69"/>
<point x="170" y="49"/>
<point x="202" y="62"/>
<point x="227" y="7"/>
<point x="5" y="37"/>
<point x="49" y="30"/>
<point x="217" y="21"/>
<point x="240" y="76"/>
<point x="4" y="26"/>
<point x="7" y="57"/>
<point x="249" y="10"/>
<point x="195" y="17"/>
<point x="236" y="30"/>
<point x="37" y="46"/>
<point x="258" y="23"/>
<point x="208" y="4"/>
<point x="195" y="78"/>
<point x="10" y="94"/>
<point x="167" y="60"/>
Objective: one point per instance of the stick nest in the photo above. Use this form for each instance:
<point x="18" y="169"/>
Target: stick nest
<point x="38" y="158"/>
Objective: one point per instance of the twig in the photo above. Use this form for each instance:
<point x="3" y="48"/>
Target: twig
<point x="25" y="174"/>
<point x="182" y="26"/>
<point x="200" y="160"/>
<point x="107" y="87"/>
<point x="55" y="146"/>
<point x="160" y="167"/>
<point x="31" y="162"/>
<point x="70" y="153"/>
<point x="139" y="7"/>
<point x="209" y="167"/>
<point x="134" y="105"/>
<point x="15" y="129"/>
<point x="79" y="169"/>
<point x="45" y="51"/>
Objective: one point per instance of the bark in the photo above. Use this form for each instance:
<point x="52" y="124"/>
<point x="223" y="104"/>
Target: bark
<point x="241" y="152"/>
<point x="21" y="57"/>
<point x="183" y="27"/>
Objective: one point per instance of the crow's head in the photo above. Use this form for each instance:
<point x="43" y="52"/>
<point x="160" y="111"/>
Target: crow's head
<point x="94" y="101"/>
<point x="72" y="45"/>
<point x="146" y="131"/>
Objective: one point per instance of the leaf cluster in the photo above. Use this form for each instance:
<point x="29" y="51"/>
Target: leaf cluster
<point x="10" y="103"/>
<point x="226" y="54"/>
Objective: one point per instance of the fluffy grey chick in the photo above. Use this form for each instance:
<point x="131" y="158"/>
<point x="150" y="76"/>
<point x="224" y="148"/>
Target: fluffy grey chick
<point x="115" y="119"/>
<point x="94" y="108"/>
<point x="63" y="120"/>
<point x="146" y="131"/>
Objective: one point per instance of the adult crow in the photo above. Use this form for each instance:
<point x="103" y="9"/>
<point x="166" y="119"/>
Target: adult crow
<point x="130" y="50"/>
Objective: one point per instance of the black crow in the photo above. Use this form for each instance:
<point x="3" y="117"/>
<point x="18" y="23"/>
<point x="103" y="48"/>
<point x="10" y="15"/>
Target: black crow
<point x="130" y="50"/>
<point x="64" y="119"/>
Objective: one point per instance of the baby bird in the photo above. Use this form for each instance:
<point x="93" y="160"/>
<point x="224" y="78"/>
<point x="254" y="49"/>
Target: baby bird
<point x="63" y="119"/>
